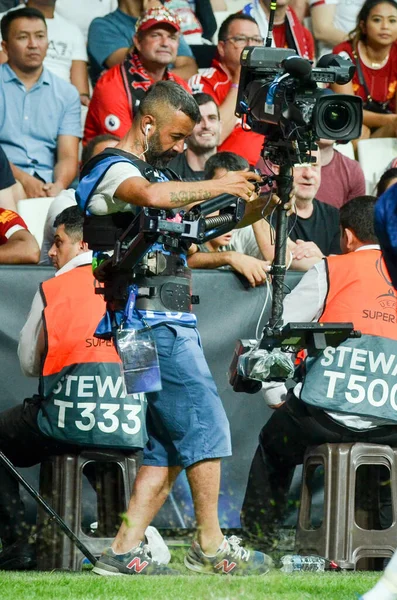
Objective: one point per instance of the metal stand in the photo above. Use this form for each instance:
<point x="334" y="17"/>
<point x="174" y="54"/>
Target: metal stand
<point x="53" y="515"/>
<point x="284" y="181"/>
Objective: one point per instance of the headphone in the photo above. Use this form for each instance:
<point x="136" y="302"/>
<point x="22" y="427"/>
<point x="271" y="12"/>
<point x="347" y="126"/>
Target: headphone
<point x="147" y="129"/>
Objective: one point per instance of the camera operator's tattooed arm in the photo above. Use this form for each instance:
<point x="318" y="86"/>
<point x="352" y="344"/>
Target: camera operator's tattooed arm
<point x="178" y="194"/>
<point x="190" y="197"/>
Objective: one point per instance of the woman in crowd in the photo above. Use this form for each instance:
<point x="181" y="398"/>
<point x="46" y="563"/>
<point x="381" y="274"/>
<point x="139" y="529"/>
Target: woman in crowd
<point x="372" y="49"/>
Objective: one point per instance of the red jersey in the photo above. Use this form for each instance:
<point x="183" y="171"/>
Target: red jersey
<point x="116" y="96"/>
<point x="216" y="82"/>
<point x="10" y="222"/>
<point x="381" y="83"/>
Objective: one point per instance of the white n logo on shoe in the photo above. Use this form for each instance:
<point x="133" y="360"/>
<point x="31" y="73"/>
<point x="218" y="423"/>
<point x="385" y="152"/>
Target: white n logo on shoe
<point x="225" y="566"/>
<point x="137" y="565"/>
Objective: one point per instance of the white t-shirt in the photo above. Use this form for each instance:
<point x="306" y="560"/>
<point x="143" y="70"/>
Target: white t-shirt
<point x="65" y="44"/>
<point x="244" y="241"/>
<point x="345" y="18"/>
<point x="82" y="12"/>
<point x="103" y="201"/>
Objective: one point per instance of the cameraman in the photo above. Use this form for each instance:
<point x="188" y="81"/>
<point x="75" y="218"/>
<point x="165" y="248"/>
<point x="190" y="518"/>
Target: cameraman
<point x="345" y="392"/>
<point x="186" y="422"/>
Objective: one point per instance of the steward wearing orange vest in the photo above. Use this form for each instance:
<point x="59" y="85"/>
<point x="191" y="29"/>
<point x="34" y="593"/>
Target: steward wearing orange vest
<point x="81" y="400"/>
<point x="84" y="399"/>
<point x="348" y="393"/>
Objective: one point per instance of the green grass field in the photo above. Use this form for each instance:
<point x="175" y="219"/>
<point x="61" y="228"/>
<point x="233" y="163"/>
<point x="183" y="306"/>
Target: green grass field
<point x="274" y="586"/>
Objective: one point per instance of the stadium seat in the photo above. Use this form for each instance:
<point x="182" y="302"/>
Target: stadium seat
<point x="34" y="212"/>
<point x="374" y="155"/>
<point x="346" y="149"/>
<point x="340" y="537"/>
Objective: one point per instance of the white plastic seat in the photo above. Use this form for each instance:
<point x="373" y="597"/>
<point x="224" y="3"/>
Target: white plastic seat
<point x="374" y="155"/>
<point x="34" y="212"/>
<point x="346" y="149"/>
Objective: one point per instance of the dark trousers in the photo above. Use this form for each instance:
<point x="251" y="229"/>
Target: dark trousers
<point x="23" y="443"/>
<point x="282" y="445"/>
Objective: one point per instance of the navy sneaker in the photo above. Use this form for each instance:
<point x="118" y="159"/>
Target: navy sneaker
<point x="137" y="561"/>
<point x="230" y="559"/>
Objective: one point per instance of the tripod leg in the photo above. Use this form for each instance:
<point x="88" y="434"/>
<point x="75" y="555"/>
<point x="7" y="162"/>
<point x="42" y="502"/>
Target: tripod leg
<point x="54" y="516"/>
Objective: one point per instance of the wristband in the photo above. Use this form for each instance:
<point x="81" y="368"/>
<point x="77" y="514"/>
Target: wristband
<point x="234" y="85"/>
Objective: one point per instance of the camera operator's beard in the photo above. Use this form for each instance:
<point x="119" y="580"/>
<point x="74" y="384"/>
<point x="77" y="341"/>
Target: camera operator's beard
<point x="155" y="155"/>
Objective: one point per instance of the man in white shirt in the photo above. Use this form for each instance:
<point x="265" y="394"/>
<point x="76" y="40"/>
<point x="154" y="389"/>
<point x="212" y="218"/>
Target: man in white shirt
<point x="332" y="404"/>
<point x="67" y="54"/>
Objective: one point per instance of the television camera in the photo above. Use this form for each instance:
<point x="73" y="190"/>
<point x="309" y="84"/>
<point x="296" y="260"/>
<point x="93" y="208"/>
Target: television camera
<point x="279" y="97"/>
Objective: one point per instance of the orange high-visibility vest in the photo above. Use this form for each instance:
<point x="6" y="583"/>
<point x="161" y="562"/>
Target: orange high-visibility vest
<point x="84" y="399"/>
<point x="360" y="375"/>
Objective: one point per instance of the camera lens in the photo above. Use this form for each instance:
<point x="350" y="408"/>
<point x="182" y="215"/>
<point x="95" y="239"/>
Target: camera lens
<point x="336" y="116"/>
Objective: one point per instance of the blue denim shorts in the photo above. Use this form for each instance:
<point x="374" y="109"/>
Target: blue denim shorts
<point x="186" y="421"/>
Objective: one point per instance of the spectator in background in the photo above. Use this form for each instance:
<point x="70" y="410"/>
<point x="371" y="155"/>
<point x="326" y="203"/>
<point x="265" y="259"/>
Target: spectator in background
<point x="68" y="197"/>
<point x="388" y="179"/>
<point x="109" y="39"/>
<point x="288" y="31"/>
<point x="7" y="183"/>
<point x="221" y="82"/>
<point x="81" y="13"/>
<point x="332" y="21"/>
<point x="119" y="91"/>
<point x="40" y="118"/>
<point x="314" y="221"/>
<point x="66" y="53"/>
<point x="196" y="17"/>
<point x="257" y="240"/>
<point x="371" y="47"/>
<point x="17" y="244"/>
<point x="222" y="252"/>
<point x="248" y="250"/>
<point x="201" y="144"/>
<point x="341" y="177"/>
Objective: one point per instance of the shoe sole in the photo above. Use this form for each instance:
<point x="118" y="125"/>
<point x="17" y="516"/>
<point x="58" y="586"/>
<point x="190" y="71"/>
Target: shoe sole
<point x="106" y="572"/>
<point x="199" y="568"/>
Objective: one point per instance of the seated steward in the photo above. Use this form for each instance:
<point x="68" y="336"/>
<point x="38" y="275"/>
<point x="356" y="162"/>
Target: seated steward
<point x="79" y="380"/>
<point x="346" y="393"/>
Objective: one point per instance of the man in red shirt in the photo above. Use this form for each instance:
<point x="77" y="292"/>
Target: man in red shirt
<point x="221" y="82"/>
<point x="17" y="244"/>
<point x="118" y="92"/>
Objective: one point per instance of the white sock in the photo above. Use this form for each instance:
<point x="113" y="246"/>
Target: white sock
<point x="386" y="588"/>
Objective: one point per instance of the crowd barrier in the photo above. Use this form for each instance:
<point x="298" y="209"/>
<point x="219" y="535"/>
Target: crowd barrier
<point x="228" y="310"/>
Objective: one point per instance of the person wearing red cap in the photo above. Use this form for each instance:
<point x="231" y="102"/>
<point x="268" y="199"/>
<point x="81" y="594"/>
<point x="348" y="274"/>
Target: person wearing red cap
<point x="119" y="91"/>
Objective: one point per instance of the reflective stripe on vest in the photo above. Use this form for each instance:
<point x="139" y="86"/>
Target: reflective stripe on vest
<point x="358" y="377"/>
<point x="84" y="400"/>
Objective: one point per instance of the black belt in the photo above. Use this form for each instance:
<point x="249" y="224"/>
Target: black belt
<point x="164" y="293"/>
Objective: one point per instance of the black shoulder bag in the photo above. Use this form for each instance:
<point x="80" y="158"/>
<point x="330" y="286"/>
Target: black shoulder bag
<point x="370" y="104"/>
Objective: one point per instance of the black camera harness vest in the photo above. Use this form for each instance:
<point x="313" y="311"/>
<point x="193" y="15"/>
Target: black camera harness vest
<point x="163" y="280"/>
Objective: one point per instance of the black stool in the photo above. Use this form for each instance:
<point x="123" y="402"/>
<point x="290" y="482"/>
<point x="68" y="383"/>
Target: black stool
<point x="339" y="537"/>
<point x="112" y="473"/>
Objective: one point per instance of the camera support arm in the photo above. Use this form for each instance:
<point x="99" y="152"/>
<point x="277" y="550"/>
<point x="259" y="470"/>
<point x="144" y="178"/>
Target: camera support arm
<point x="285" y="183"/>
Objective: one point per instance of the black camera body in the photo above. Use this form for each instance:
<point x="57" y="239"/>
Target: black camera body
<point x="279" y="97"/>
